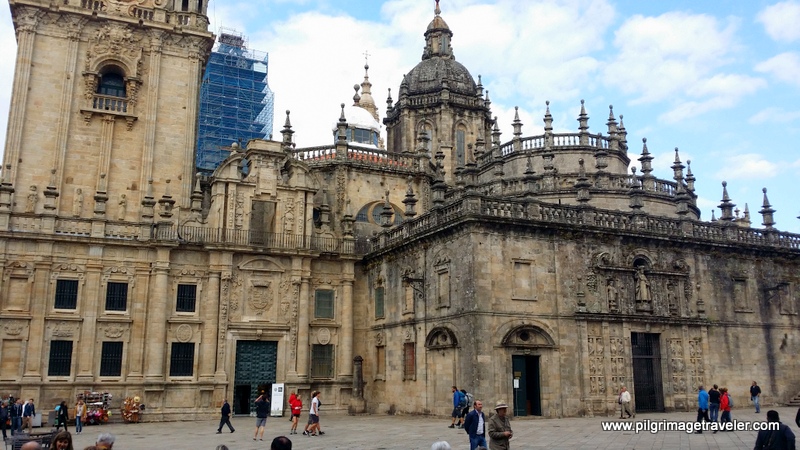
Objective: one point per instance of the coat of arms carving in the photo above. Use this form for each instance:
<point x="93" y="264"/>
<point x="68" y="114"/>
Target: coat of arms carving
<point x="260" y="298"/>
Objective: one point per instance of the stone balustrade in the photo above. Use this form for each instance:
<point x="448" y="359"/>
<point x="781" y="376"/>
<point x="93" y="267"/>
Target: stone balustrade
<point x="314" y="156"/>
<point x="545" y="214"/>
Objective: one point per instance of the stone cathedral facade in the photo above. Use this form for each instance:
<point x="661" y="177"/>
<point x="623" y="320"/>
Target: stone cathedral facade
<point x="536" y="270"/>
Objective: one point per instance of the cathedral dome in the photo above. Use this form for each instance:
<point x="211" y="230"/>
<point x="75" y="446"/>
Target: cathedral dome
<point x="428" y="76"/>
<point x="358" y="117"/>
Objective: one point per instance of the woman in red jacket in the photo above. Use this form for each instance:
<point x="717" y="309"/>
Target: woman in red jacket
<point x="297" y="405"/>
<point x="725" y="407"/>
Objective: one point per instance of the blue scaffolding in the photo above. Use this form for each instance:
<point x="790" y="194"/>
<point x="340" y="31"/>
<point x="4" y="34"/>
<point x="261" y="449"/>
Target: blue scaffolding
<point x="236" y="103"/>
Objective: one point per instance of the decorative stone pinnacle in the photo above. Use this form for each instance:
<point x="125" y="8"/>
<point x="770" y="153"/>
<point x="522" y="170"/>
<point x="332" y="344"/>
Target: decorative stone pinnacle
<point x="437" y="10"/>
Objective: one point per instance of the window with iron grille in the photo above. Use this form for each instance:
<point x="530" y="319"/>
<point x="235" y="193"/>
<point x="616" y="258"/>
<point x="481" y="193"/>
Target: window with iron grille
<point x="409" y="361"/>
<point x="60" y="358"/>
<point x="66" y="294"/>
<point x="111" y="359"/>
<point x="322" y="361"/>
<point x="379" y="303"/>
<point x="323" y="304"/>
<point x="181" y="362"/>
<point x="187" y="298"/>
<point x="116" y="296"/>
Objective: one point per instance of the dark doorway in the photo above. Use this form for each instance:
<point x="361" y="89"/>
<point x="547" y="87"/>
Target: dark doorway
<point x="256" y="362"/>
<point x="527" y="389"/>
<point x="241" y="399"/>
<point x="647" y="386"/>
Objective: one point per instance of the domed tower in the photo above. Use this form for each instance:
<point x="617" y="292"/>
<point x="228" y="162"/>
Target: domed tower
<point x="440" y="97"/>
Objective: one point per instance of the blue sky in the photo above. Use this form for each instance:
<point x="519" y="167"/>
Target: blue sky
<point x="720" y="80"/>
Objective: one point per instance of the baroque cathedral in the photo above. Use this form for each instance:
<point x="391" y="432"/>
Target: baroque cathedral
<point x="536" y="270"/>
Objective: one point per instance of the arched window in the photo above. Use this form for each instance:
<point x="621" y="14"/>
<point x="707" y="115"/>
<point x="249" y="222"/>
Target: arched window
<point x="111" y="84"/>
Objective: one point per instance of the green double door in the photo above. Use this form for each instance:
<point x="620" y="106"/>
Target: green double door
<point x="256" y="362"/>
<point x="527" y="387"/>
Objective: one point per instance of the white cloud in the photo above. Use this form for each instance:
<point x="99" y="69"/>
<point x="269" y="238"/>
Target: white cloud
<point x="781" y="21"/>
<point x="784" y="67"/>
<point x="747" y="166"/>
<point x="775" y="115"/>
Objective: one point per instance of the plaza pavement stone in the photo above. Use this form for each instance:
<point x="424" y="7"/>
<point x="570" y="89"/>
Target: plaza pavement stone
<point x="375" y="432"/>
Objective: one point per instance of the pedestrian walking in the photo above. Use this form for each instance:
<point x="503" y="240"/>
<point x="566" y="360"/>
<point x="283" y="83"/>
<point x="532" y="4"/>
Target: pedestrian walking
<point x="702" y="407"/>
<point x="262" y="411"/>
<point x="713" y="403"/>
<point x="297" y="407"/>
<point x="780" y="439"/>
<point x="312" y="428"/>
<point x="62" y="415"/>
<point x="458" y="405"/>
<point x="80" y="416"/>
<point x="469" y="400"/>
<point x="725" y="406"/>
<point x="475" y="426"/>
<point x="755" y="396"/>
<point x="624" y="401"/>
<point x="4" y="417"/>
<point x="225" y="417"/>
<point x="28" y="413"/>
<point x="15" y="413"/>
<point x="500" y="428"/>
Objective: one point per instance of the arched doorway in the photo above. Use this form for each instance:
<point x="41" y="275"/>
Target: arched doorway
<point x="527" y="342"/>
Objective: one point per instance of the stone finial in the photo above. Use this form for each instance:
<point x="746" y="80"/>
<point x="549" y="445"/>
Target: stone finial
<point x="767" y="212"/>
<point x="196" y="198"/>
<point x="548" y="118"/>
<point x="437" y="10"/>
<point x="410" y="201"/>
<point x="583" y="119"/>
<point x="517" y="124"/>
<point x="389" y="101"/>
<point x="677" y="168"/>
<point x="613" y="143"/>
<point x="387" y="213"/>
<point x="726" y="206"/>
<point x="600" y="154"/>
<point x="636" y="203"/>
<point x="713" y="217"/>
<point x="690" y="179"/>
<point x="356" y="97"/>
<point x="623" y="134"/>
<point x="287" y="131"/>
<point x="486" y="102"/>
<point x="582" y="185"/>
<point x="479" y="88"/>
<point x="646" y="159"/>
<point x="496" y="134"/>
<point x="341" y="128"/>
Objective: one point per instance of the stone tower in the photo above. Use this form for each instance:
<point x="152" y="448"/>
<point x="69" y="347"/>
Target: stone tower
<point x="440" y="97"/>
<point x="103" y="113"/>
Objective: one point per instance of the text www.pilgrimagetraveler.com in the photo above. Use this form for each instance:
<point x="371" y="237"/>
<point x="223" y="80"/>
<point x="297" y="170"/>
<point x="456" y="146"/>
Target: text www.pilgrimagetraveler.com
<point x="654" y="426"/>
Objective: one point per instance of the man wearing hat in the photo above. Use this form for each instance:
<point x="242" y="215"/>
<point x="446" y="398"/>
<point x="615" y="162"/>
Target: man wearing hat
<point x="500" y="428"/>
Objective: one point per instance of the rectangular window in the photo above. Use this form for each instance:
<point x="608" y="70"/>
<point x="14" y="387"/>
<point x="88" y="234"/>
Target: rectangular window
<point x="181" y="362"/>
<point x="187" y="298"/>
<point x="66" y="294"/>
<point x="116" y="296"/>
<point x="323" y="304"/>
<point x="460" y="147"/>
<point x="111" y="359"/>
<point x="322" y="361"/>
<point x="60" y="358"/>
<point x="409" y="361"/>
<point x="379" y="303"/>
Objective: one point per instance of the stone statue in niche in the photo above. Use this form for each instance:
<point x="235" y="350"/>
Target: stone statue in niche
<point x="77" y="203"/>
<point x="288" y="218"/>
<point x="123" y="205"/>
<point x="672" y="300"/>
<point x="644" y="296"/>
<point x="613" y="295"/>
<point x="33" y="200"/>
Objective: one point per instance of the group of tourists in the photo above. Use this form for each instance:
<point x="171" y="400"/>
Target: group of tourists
<point x="476" y="425"/>
<point x="21" y="415"/>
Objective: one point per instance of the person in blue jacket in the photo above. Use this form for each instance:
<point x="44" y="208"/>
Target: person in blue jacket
<point x="458" y="401"/>
<point x="475" y="426"/>
<point x="702" y="406"/>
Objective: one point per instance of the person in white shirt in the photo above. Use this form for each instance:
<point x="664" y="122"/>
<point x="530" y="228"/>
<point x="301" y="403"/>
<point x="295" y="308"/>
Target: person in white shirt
<point x="624" y="401"/>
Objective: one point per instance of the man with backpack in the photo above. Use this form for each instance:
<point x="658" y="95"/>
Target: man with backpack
<point x="458" y="405"/>
<point x="468" y="400"/>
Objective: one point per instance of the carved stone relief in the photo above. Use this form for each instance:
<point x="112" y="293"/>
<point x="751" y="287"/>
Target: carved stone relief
<point x="15" y="328"/>
<point x="597" y="379"/>
<point x="619" y="369"/>
<point x="63" y="329"/>
<point x="677" y="366"/>
<point x="695" y="365"/>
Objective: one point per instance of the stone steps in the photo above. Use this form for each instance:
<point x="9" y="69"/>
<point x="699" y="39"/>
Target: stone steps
<point x="795" y="401"/>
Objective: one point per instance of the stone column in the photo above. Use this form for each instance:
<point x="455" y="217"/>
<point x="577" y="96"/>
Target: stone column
<point x="195" y="78"/>
<point x="208" y="341"/>
<point x="346" y="336"/>
<point x="222" y="326"/>
<point x="36" y="335"/>
<point x="153" y="83"/>
<point x="139" y="327"/>
<point x="302" y="329"/>
<point x="67" y="95"/>
<point x="26" y="20"/>
<point x="157" y="318"/>
<point x="357" y="403"/>
<point x="94" y="302"/>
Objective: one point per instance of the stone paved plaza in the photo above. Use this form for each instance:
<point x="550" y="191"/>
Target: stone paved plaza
<point x="413" y="432"/>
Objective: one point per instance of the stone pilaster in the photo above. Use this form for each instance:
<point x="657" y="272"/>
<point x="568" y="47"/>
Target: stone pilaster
<point x="208" y="338"/>
<point x="36" y="336"/>
<point x="155" y="345"/>
<point x="302" y="326"/>
<point x="85" y="356"/>
<point x="67" y="94"/>
<point x="151" y="116"/>
<point x="346" y="337"/>
<point x="139" y="325"/>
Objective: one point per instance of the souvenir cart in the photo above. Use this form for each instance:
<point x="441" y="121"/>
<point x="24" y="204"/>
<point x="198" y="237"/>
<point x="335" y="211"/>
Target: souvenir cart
<point x="96" y="406"/>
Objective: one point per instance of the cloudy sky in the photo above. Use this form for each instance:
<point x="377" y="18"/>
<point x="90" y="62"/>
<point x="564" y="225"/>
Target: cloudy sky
<point x="719" y="79"/>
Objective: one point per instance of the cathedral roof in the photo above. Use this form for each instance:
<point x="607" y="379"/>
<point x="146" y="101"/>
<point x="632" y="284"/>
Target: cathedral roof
<point x="428" y="76"/>
<point x="358" y="117"/>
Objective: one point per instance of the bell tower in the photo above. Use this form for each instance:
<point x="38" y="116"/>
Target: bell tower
<point x="102" y="123"/>
<point x="439" y="107"/>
